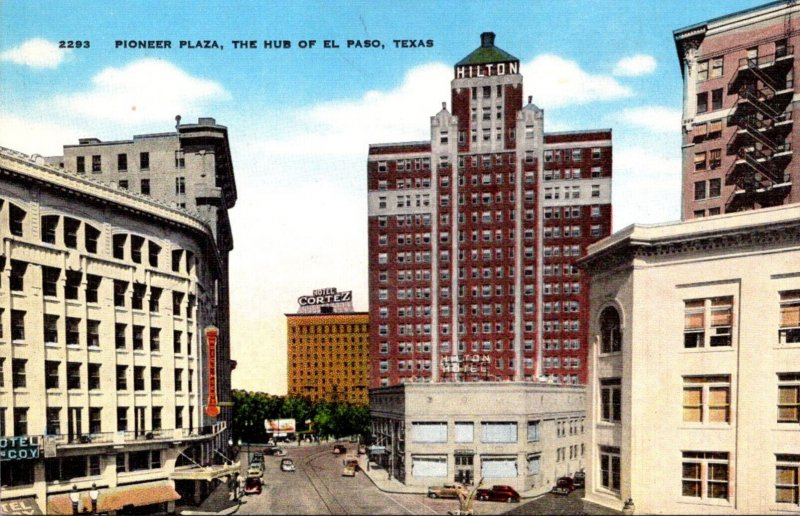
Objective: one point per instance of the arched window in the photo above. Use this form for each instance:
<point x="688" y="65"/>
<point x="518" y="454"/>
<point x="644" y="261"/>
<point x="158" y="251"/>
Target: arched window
<point x="610" y="334"/>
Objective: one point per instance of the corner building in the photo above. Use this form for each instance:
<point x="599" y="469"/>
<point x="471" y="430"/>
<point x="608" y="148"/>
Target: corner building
<point x="106" y="374"/>
<point x="467" y="229"/>
<point x="740" y="90"/>
<point x="693" y="402"/>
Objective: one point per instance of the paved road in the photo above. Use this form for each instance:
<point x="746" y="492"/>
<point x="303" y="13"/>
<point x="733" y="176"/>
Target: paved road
<point x="318" y="487"/>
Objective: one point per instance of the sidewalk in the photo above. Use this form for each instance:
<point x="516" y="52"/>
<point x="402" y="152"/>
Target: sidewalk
<point x="380" y="477"/>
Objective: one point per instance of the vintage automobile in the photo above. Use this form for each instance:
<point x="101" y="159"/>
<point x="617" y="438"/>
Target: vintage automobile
<point x="498" y="494"/>
<point x="349" y="471"/>
<point x="274" y="451"/>
<point x="255" y="470"/>
<point x="252" y="485"/>
<point x="339" y="449"/>
<point x="579" y="479"/>
<point x="287" y="465"/>
<point x="446" y="491"/>
<point x="564" y="486"/>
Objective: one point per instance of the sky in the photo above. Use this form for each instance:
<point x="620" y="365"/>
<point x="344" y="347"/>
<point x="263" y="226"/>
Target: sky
<point x="301" y="117"/>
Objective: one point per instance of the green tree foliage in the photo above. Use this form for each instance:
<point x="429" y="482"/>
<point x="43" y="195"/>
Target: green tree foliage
<point x="326" y="419"/>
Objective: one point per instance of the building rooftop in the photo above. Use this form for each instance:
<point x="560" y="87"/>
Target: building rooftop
<point x="487" y="53"/>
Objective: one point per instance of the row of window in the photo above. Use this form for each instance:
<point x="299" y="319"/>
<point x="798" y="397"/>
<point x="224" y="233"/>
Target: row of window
<point x="567" y="155"/>
<point x="122" y="162"/>
<point x="52" y="376"/>
<point x="570" y="173"/>
<point x="555" y="363"/>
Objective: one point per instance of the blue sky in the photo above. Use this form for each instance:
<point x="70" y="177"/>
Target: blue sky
<point x="300" y="120"/>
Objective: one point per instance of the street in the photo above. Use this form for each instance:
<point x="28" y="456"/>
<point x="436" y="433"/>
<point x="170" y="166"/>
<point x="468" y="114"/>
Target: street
<point x="318" y="487"/>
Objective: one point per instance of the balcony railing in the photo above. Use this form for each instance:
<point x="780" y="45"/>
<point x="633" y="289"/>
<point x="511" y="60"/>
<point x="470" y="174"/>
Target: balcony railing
<point x="123" y="437"/>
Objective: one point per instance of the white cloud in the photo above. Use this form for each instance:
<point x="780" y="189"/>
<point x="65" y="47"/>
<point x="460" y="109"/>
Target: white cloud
<point x="646" y="186"/>
<point x="555" y="82"/>
<point x="36" y="53"/>
<point x="146" y="90"/>
<point x="656" y="119"/>
<point x="34" y="136"/>
<point x="633" y="66"/>
<point x="347" y="127"/>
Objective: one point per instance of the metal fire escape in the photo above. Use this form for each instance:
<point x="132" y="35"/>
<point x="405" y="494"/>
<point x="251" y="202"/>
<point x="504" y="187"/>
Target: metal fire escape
<point x="764" y="88"/>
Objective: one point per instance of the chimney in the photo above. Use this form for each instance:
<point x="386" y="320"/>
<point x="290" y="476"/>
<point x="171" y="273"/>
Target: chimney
<point x="444" y="106"/>
<point x="487" y="39"/>
<point x="530" y="99"/>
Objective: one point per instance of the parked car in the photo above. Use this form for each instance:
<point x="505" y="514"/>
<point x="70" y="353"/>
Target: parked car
<point x="287" y="465"/>
<point x="252" y="485"/>
<point x="339" y="448"/>
<point x="349" y="471"/>
<point x="498" y="494"/>
<point x="564" y="486"/>
<point x="257" y="458"/>
<point x="446" y="491"/>
<point x="255" y="470"/>
<point x="579" y="479"/>
<point x="274" y="450"/>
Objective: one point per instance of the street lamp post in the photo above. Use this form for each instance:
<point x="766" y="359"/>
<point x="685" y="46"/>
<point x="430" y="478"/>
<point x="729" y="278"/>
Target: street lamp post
<point x="74" y="497"/>
<point x="94" y="494"/>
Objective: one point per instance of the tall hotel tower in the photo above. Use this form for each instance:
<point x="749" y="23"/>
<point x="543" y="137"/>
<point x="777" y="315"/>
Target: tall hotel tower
<point x="473" y="235"/>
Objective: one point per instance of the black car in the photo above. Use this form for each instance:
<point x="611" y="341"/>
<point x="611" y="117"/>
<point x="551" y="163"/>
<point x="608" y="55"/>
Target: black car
<point x="579" y="479"/>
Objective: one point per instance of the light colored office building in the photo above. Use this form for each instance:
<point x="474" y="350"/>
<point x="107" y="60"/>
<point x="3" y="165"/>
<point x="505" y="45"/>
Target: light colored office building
<point x="520" y="434"/>
<point x="693" y="403"/>
<point x="108" y="378"/>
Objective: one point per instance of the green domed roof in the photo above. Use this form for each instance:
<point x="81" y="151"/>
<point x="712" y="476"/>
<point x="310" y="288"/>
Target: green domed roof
<point x="487" y="53"/>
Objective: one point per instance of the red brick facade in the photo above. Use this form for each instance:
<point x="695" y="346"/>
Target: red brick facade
<point x="457" y="239"/>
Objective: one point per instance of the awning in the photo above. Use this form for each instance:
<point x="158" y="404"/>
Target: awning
<point x="25" y="505"/>
<point x="114" y="499"/>
<point x="208" y="473"/>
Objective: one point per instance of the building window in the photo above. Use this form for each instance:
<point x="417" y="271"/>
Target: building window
<point x="706" y="399"/>
<point x="180" y="159"/>
<point x="93" y="333"/>
<point x="498" y="432"/>
<point x="789" y="398"/>
<point x="714" y="162"/>
<point x="71" y="227"/>
<point x="53" y="420"/>
<point x="49" y="228"/>
<point x="137" y="299"/>
<point x="610" y="468"/>
<point x="180" y="186"/>
<point x="716" y="68"/>
<point x="610" y="399"/>
<point x="699" y="164"/>
<point x="702" y="70"/>
<point x="122" y="423"/>
<point x="17" y="325"/>
<point x="122" y="162"/>
<point x="155" y="297"/>
<point x="92" y="288"/>
<point x="789" y="332"/>
<point x="120" y="289"/>
<point x="429" y="432"/>
<point x="714" y="186"/>
<point x="118" y="246"/>
<point x="94" y="377"/>
<point x="97" y="163"/>
<point x="119" y="335"/>
<point x="73" y="331"/>
<point x="122" y="378"/>
<point x="138" y="337"/>
<point x="80" y="164"/>
<point x="702" y="102"/>
<point x="73" y="284"/>
<point x="137" y="243"/>
<point x="144" y="160"/>
<point x="705" y="475"/>
<point x="610" y="334"/>
<point x="21" y="421"/>
<point x="155" y="379"/>
<point x="787" y="479"/>
<point x="51" y="374"/>
<point x="714" y="331"/>
<point x="533" y="431"/>
<point x="73" y="375"/>
<point x="716" y="99"/>
<point x="50" y="328"/>
<point x="123" y="184"/>
<point x="144" y="186"/>
<point x="177" y="336"/>
<point x="138" y="378"/>
<point x="155" y="339"/>
<point x="50" y="277"/>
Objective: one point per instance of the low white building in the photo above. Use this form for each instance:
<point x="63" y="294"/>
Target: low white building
<point x="694" y="392"/>
<point x="525" y="435"/>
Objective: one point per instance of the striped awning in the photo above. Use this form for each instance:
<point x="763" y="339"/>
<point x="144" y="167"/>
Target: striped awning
<point x="208" y="473"/>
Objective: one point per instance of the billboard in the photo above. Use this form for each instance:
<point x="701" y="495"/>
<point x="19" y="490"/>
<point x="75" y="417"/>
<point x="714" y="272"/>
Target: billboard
<point x="280" y="426"/>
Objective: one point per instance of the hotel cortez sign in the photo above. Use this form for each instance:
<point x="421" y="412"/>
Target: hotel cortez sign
<point x="487" y="70"/>
<point x="20" y="448"/>
<point x="325" y="296"/>
<point x="212" y="409"/>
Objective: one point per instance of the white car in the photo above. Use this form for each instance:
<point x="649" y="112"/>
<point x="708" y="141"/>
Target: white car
<point x="287" y="465"/>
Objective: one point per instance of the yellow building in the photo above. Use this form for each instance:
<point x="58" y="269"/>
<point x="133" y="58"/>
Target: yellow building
<point x="328" y="350"/>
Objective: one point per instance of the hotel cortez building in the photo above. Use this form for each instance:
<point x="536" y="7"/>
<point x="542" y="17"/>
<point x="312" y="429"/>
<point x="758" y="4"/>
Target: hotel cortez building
<point x="328" y="349"/>
<point x="473" y="235"/>
<point x="105" y="295"/>
<point x="740" y="90"/>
